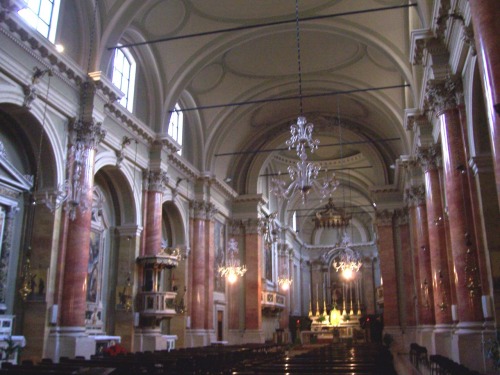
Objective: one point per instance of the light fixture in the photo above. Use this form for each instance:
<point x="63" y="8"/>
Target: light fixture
<point x="347" y="261"/>
<point x="285" y="281"/>
<point x="232" y="269"/>
<point x="304" y="174"/>
<point x="331" y="217"/>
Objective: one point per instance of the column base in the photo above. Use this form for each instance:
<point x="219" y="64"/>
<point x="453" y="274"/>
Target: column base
<point x="199" y="337"/>
<point x="425" y="336"/>
<point x="253" y="336"/>
<point x="398" y="338"/>
<point x="151" y="339"/>
<point x="467" y="346"/>
<point x="441" y="340"/>
<point x="69" y="342"/>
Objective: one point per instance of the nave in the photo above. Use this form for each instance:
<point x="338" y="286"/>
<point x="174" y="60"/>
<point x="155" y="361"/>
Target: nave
<point x="248" y="359"/>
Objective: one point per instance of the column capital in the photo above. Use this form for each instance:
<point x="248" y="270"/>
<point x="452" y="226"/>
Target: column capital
<point x="415" y="195"/>
<point x="156" y="180"/>
<point x="442" y="95"/>
<point x="429" y="157"/>
<point x="252" y="226"/>
<point x="384" y="217"/>
<point x="87" y="134"/>
<point x="203" y="210"/>
<point x="401" y="216"/>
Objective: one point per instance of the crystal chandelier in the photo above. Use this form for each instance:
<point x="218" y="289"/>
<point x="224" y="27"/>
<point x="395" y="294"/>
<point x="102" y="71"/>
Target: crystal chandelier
<point x="304" y="174"/>
<point x="232" y="269"/>
<point x="347" y="261"/>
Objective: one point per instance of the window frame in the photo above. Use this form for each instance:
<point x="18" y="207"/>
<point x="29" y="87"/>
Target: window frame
<point x="34" y="19"/>
<point x="127" y="101"/>
<point x="176" y="125"/>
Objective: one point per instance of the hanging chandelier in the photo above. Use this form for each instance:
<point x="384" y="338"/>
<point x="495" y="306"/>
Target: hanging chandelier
<point x="331" y="217"/>
<point x="232" y="269"/>
<point x="347" y="262"/>
<point x="285" y="281"/>
<point x="304" y="174"/>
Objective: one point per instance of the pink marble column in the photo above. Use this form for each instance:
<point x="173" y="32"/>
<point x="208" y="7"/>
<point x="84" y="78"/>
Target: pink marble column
<point x="418" y="213"/>
<point x="153" y="231"/>
<point x="485" y="15"/>
<point x="253" y="283"/>
<point x="385" y="234"/>
<point x="209" y="269"/>
<point x="428" y="158"/>
<point x="235" y="290"/>
<point x="74" y="288"/>
<point x="408" y="304"/>
<point x="198" y="257"/>
<point x="444" y="96"/>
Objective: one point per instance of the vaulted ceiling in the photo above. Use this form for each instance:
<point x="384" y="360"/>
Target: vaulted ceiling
<point x="355" y="78"/>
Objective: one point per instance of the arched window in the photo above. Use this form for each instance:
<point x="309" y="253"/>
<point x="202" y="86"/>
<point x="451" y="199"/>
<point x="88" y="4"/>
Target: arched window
<point x="124" y="76"/>
<point x="42" y="15"/>
<point x="176" y="126"/>
<point x="294" y="221"/>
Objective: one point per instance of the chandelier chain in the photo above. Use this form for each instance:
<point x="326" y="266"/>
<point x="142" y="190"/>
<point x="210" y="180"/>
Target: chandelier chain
<point x="299" y="63"/>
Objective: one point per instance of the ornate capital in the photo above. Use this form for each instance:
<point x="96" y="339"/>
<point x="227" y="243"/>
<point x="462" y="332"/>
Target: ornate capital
<point x="384" y="217"/>
<point x="442" y="95"/>
<point x="252" y="226"/>
<point x="87" y="133"/>
<point x="203" y="210"/>
<point x="429" y="157"/>
<point x="234" y="227"/>
<point x="415" y="195"/>
<point x="156" y="180"/>
<point x="401" y="216"/>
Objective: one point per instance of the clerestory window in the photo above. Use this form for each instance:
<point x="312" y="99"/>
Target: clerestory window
<point x="42" y="15"/>
<point x="123" y="77"/>
<point x="175" y="128"/>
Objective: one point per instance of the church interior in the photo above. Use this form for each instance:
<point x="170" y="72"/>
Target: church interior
<point x="200" y="173"/>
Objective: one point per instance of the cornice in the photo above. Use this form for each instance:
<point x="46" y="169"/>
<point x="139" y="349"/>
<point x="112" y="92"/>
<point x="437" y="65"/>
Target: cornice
<point x="43" y="51"/>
